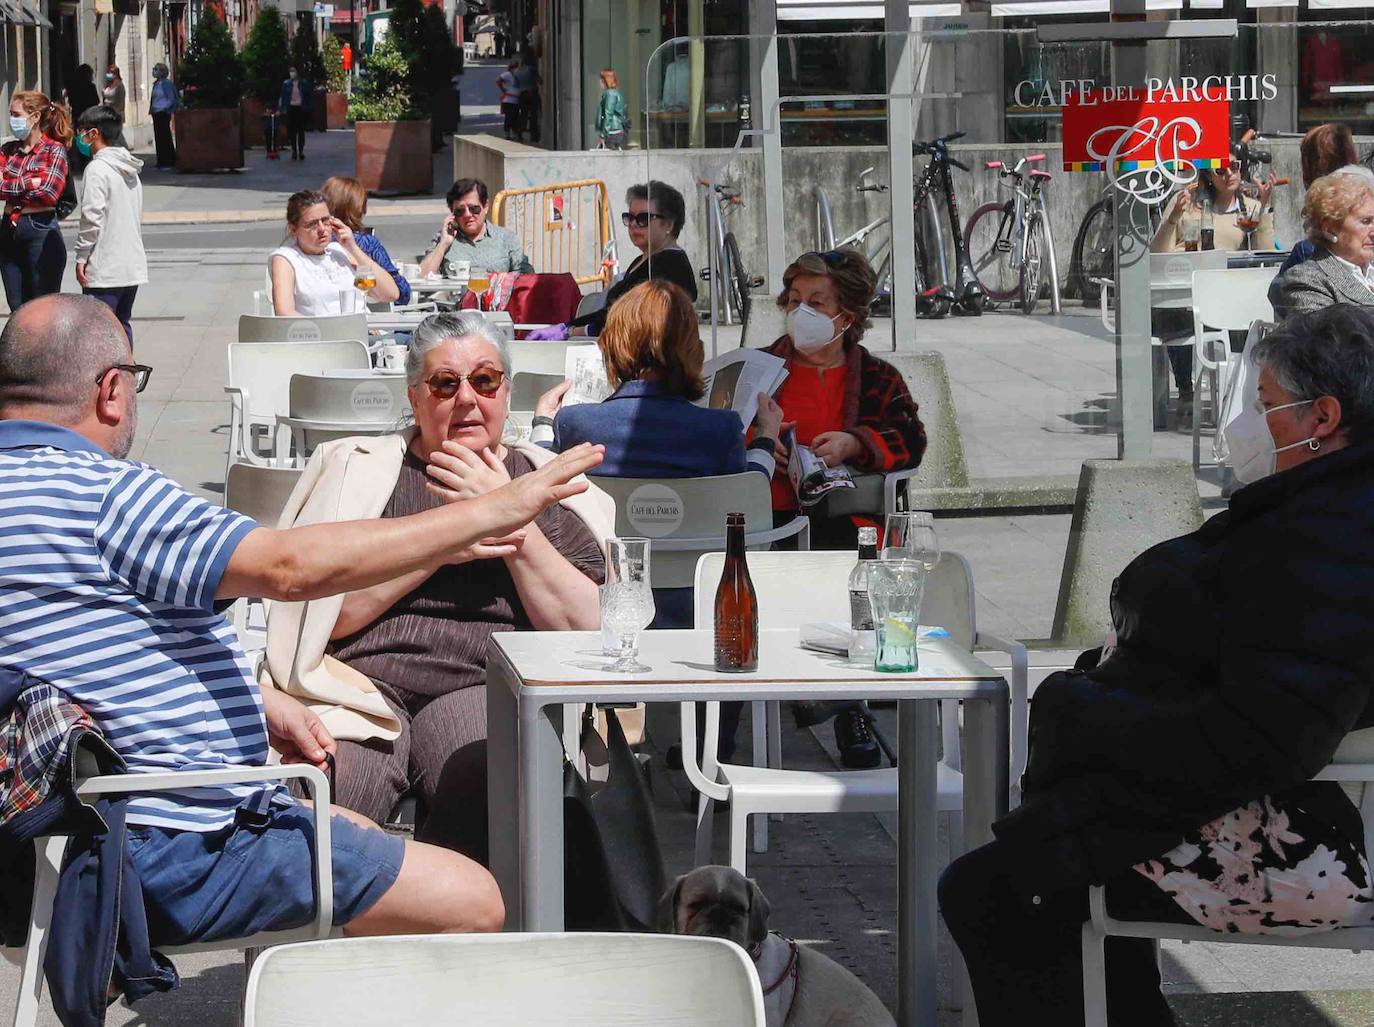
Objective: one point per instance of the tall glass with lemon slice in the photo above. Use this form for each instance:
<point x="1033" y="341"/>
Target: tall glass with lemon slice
<point x="895" y="588"/>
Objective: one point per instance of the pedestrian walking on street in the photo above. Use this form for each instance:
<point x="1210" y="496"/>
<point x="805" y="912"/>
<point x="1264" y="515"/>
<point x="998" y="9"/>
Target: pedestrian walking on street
<point x="510" y="100"/>
<point x="164" y="103"/>
<point x="527" y="82"/>
<point x="33" y="174"/>
<point x="110" y="261"/>
<point x="82" y="93"/>
<point x="113" y="93"/>
<point x="611" y="120"/>
<point x="296" y="99"/>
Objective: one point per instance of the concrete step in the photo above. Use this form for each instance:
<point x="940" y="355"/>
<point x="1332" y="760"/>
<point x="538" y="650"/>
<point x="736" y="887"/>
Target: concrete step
<point x="1038" y="493"/>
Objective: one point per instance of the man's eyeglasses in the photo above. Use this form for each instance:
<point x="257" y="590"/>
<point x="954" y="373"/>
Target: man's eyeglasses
<point x="640" y="220"/>
<point x="832" y="258"/>
<point x="485" y="381"/>
<point x="466" y="208"/>
<point x="141" y="373"/>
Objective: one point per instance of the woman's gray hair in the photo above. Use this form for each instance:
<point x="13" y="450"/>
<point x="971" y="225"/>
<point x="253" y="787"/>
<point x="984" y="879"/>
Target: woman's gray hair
<point x="439" y="328"/>
<point x="1327" y="352"/>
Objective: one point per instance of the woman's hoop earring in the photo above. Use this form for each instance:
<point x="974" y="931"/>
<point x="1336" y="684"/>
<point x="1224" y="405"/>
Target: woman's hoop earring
<point x="1314" y="445"/>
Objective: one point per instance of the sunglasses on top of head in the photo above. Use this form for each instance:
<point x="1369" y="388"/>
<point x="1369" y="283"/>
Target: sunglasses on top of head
<point x="485" y="381"/>
<point x="640" y="220"/>
<point x="832" y="258"/>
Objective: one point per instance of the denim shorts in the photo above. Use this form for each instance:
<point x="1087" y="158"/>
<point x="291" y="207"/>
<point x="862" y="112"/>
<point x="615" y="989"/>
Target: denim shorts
<point x="250" y="877"/>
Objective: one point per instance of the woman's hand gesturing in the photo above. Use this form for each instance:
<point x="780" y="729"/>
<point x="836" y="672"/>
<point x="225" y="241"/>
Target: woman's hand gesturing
<point x="459" y="473"/>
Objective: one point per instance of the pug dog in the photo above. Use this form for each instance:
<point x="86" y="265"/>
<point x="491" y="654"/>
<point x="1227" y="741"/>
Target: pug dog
<point x="801" y="987"/>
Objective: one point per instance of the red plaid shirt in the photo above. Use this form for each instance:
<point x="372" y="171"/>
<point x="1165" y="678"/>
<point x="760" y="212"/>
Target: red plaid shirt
<point x="47" y="162"/>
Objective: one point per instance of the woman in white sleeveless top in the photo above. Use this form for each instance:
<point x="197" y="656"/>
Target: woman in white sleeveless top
<point x="314" y="270"/>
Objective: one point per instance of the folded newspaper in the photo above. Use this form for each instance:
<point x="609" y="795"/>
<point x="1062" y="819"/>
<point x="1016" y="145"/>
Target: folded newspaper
<point x="733" y="380"/>
<point x="811" y="479"/>
<point x="832" y="636"/>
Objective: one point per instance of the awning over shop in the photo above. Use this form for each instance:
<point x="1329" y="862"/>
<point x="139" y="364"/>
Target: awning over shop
<point x="23" y="12"/>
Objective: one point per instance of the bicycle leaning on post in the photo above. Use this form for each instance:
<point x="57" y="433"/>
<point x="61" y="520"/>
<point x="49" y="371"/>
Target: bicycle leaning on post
<point x="966" y="296"/>
<point x="733" y="282"/>
<point x="1008" y="242"/>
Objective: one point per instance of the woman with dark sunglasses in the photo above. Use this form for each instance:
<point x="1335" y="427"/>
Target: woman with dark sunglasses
<point x="411" y="653"/>
<point x="654" y="220"/>
<point x="466" y="235"/>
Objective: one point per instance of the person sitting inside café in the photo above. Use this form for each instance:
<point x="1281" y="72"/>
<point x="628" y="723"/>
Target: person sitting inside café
<point x="466" y="235"/>
<point x="654" y="220"/>
<point x="315" y="272"/>
<point x="401" y="665"/>
<point x="1219" y="193"/>
<point x="1177" y="766"/>
<point x="1339" y="214"/>
<point x="347" y="201"/>
<point x="117" y="591"/>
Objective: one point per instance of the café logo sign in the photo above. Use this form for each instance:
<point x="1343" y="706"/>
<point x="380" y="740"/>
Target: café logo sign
<point x="1149" y="142"/>
<point x="1186" y="88"/>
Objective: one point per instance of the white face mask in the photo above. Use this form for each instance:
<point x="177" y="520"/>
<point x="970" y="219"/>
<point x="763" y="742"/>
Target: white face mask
<point x="810" y="329"/>
<point x="1253" y="455"/>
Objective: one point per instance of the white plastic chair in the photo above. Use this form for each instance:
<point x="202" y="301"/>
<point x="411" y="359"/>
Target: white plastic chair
<point x="50" y="850"/>
<point x="685" y="517"/>
<point x="1223" y="302"/>
<point x="1353" y="765"/>
<point x="260" y="493"/>
<point x="538" y="357"/>
<point x="322" y="407"/>
<point x="258" y="328"/>
<point x="794" y="588"/>
<point x="525" y="389"/>
<point x="259" y="388"/>
<point x="506" y="980"/>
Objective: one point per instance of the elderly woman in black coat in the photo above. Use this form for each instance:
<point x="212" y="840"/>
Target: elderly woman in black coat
<point x="1177" y="769"/>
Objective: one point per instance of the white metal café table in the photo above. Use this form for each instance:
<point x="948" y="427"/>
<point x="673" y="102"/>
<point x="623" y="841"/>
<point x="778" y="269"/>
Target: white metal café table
<point x="530" y="675"/>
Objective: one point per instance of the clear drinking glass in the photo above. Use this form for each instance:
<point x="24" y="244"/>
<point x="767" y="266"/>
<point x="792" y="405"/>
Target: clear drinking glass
<point x="627" y="601"/>
<point x="895" y="587"/>
<point x="911" y="536"/>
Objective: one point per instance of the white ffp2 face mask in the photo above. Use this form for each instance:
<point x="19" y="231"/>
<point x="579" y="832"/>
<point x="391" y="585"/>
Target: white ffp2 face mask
<point x="1253" y="454"/>
<point x="810" y="329"/>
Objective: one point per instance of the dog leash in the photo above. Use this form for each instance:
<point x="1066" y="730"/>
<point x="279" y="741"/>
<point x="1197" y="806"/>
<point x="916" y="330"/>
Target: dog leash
<point x="788" y="971"/>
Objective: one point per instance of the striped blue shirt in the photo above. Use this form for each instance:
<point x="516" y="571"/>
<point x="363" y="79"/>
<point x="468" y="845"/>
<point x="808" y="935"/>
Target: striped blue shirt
<point x="108" y="573"/>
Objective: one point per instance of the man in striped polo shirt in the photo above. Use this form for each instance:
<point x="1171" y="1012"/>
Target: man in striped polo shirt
<point x="110" y="575"/>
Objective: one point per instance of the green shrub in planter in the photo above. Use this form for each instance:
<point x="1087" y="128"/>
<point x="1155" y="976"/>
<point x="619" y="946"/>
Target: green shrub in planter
<point x="210" y="75"/>
<point x="266" y="57"/>
<point x="335" y="75"/>
<point x="383" y="92"/>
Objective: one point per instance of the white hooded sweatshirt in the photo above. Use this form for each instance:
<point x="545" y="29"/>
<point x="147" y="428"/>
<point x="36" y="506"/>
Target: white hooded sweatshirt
<point x="110" y="240"/>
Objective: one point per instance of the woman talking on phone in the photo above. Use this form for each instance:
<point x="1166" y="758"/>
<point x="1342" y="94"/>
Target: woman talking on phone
<point x="33" y="173"/>
<point x="320" y="263"/>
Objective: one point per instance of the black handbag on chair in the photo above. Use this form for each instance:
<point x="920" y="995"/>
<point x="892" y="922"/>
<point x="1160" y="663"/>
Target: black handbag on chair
<point x="613" y="872"/>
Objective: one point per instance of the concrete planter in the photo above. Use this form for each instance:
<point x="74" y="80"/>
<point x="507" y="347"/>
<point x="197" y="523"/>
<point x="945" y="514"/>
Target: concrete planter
<point x="209" y="140"/>
<point x="393" y="156"/>
<point x="336" y="110"/>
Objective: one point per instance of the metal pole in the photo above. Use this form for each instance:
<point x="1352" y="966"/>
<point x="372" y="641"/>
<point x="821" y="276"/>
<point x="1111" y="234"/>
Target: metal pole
<point x="896" y="45"/>
<point x="766" y="107"/>
<point x="1134" y="374"/>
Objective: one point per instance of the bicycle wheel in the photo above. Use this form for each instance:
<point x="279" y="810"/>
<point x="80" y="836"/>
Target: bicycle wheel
<point x="988" y="239"/>
<point x="1031" y="269"/>
<point x="736" y="279"/>
<point x="930" y="298"/>
<point x="1094" y="252"/>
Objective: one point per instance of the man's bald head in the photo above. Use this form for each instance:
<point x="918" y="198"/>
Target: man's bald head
<point x="52" y="351"/>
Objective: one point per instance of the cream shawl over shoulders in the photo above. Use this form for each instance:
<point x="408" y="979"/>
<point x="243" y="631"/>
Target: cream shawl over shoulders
<point x="352" y="479"/>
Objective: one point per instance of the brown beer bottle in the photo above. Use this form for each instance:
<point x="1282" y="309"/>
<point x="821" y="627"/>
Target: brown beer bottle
<point x="737" y="607"/>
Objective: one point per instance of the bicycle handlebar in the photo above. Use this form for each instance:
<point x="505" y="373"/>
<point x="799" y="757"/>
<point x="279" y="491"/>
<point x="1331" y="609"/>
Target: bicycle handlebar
<point x="730" y="194"/>
<point x="958" y="163"/>
<point x="875" y="188"/>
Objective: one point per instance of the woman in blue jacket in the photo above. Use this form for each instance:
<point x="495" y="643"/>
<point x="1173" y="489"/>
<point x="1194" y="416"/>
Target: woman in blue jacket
<point x="347" y="201"/>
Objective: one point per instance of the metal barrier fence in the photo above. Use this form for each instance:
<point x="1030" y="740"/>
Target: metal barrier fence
<point x="564" y="227"/>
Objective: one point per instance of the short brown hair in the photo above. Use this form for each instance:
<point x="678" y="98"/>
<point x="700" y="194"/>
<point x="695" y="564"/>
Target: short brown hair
<point x="347" y="199"/>
<point x="1324" y="149"/>
<point x="1329" y="200"/>
<point x="854" y="281"/>
<point x="651" y="332"/>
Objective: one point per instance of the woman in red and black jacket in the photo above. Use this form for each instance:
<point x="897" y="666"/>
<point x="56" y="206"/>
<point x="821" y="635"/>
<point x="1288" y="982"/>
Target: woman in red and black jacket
<point x="33" y="174"/>
<point x="848" y="406"/>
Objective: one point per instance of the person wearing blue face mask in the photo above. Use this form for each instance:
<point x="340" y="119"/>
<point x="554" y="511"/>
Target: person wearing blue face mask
<point x="33" y="174"/>
<point x="110" y="261"/>
<point x="1177" y="768"/>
